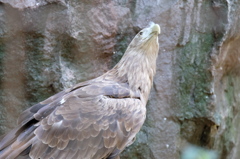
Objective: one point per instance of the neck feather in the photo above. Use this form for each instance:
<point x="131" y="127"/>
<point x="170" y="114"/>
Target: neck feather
<point x="138" y="67"/>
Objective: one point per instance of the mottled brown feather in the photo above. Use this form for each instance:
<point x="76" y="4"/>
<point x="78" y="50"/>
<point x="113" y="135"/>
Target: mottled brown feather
<point x="95" y="119"/>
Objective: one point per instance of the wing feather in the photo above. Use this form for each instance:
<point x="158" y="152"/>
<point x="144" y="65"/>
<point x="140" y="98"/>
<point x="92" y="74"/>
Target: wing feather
<point x="90" y="120"/>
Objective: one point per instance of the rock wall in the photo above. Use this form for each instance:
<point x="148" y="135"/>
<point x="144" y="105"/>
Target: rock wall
<point x="49" y="45"/>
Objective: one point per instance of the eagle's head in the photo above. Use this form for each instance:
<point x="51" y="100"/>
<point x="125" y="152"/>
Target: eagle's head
<point x="146" y="38"/>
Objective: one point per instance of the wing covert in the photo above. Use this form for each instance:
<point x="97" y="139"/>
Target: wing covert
<point x="91" y="122"/>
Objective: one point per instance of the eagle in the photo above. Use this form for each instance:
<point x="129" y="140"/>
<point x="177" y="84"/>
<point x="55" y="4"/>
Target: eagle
<point x="95" y="119"/>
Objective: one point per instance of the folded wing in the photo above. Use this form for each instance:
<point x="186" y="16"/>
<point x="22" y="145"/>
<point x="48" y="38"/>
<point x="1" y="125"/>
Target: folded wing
<point x="93" y="120"/>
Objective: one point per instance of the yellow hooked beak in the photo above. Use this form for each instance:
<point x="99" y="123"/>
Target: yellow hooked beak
<point x="156" y="28"/>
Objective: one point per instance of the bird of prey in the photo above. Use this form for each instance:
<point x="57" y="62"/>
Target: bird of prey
<point x="95" y="119"/>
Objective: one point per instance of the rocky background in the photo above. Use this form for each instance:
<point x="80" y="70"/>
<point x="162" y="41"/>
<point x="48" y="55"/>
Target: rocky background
<point x="49" y="45"/>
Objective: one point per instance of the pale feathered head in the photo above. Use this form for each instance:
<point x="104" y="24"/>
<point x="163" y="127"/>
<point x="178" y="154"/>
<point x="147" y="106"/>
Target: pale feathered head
<point x="146" y="38"/>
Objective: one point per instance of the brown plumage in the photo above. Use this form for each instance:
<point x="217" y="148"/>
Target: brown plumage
<point x="95" y="119"/>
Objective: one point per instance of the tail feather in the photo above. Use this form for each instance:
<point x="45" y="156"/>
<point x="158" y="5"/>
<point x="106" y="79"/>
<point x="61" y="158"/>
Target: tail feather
<point x="9" y="138"/>
<point x="13" y="152"/>
<point x="17" y="141"/>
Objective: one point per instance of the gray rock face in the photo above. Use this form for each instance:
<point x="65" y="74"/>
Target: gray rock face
<point x="50" y="45"/>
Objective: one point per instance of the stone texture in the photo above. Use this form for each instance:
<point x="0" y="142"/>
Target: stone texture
<point x="49" y="45"/>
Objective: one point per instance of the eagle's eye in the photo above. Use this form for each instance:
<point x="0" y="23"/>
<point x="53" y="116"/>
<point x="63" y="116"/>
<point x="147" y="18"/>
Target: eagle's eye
<point x="141" y="33"/>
